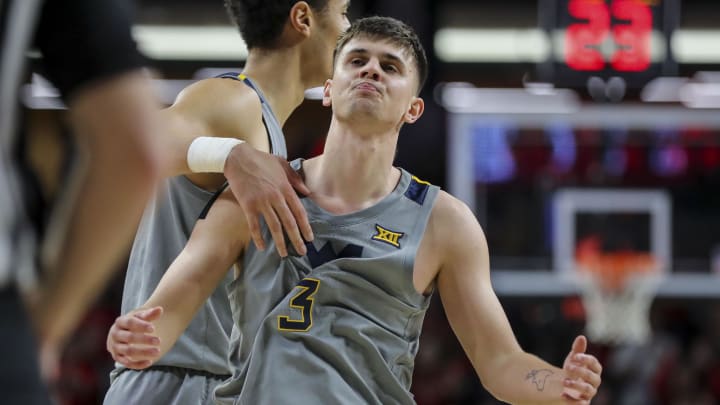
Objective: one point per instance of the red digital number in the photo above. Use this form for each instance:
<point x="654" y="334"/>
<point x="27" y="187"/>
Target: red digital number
<point x="633" y="39"/>
<point x="583" y="39"/>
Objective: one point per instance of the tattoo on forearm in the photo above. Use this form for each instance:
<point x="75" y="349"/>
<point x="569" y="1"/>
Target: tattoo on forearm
<point x="538" y="377"/>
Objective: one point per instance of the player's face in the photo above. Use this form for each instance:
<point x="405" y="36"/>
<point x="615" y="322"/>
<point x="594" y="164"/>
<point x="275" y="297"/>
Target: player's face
<point x="374" y="79"/>
<point x="332" y="22"/>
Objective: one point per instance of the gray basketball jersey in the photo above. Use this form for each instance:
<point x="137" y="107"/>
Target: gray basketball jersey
<point x="340" y="325"/>
<point x="163" y="232"/>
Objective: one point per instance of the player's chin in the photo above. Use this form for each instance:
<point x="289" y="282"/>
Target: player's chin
<point x="366" y="107"/>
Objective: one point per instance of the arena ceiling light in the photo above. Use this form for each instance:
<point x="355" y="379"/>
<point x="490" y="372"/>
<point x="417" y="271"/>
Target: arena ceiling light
<point x="491" y="45"/>
<point x="454" y="45"/>
<point x="202" y="43"/>
<point x="696" y="46"/>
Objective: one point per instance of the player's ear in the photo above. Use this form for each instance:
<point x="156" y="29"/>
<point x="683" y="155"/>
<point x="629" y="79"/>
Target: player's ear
<point x="415" y="110"/>
<point x="300" y="18"/>
<point x="326" y="100"/>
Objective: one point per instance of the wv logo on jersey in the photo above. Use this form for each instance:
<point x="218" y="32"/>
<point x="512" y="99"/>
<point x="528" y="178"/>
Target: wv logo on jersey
<point x="387" y="236"/>
<point x="327" y="253"/>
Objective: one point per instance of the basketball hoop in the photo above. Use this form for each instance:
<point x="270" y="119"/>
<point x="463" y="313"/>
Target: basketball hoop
<point x="617" y="245"/>
<point x="617" y="291"/>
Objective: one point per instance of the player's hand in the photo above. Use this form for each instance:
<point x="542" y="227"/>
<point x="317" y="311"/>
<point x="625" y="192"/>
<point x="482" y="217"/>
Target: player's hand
<point x="583" y="374"/>
<point x="264" y="185"/>
<point x="131" y="341"/>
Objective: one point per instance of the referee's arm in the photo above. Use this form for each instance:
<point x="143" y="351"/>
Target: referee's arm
<point x="89" y="55"/>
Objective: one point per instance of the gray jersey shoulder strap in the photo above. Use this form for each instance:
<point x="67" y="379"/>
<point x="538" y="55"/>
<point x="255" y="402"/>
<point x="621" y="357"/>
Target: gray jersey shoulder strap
<point x="273" y="127"/>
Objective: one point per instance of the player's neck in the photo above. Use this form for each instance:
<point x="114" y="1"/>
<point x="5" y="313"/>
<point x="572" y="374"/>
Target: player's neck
<point x="279" y="76"/>
<point x="354" y="172"/>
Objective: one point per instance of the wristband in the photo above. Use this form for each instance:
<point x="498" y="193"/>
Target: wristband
<point x="208" y="154"/>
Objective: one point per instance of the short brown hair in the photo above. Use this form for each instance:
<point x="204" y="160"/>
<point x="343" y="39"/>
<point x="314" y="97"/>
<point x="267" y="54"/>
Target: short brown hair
<point x="393" y="31"/>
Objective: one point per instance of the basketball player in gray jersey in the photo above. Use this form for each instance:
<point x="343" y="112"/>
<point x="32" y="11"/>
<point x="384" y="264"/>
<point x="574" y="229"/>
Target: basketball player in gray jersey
<point x="285" y="58"/>
<point x="199" y="359"/>
<point x="384" y="242"/>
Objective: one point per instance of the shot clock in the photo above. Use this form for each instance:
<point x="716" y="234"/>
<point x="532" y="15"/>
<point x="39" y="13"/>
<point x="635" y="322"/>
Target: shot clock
<point x="605" y="39"/>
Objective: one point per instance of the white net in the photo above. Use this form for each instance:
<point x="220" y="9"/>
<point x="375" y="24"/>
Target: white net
<point x="618" y="316"/>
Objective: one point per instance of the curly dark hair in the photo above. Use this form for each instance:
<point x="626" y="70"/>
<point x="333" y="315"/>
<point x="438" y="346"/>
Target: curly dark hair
<point x="392" y="30"/>
<point x="261" y="21"/>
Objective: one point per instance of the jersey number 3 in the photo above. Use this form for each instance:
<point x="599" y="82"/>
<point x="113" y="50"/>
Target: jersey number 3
<point x="303" y="301"/>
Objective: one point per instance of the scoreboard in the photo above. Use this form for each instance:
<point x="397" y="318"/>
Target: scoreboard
<point x="629" y="39"/>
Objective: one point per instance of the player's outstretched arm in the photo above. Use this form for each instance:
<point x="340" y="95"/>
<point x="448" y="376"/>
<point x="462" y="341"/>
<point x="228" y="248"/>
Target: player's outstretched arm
<point x="220" y="111"/>
<point x="215" y="244"/>
<point x="479" y="322"/>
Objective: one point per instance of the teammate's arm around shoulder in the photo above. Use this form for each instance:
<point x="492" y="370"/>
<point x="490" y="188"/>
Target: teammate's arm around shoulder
<point x="263" y="184"/>
<point x="142" y="336"/>
<point x="480" y="323"/>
